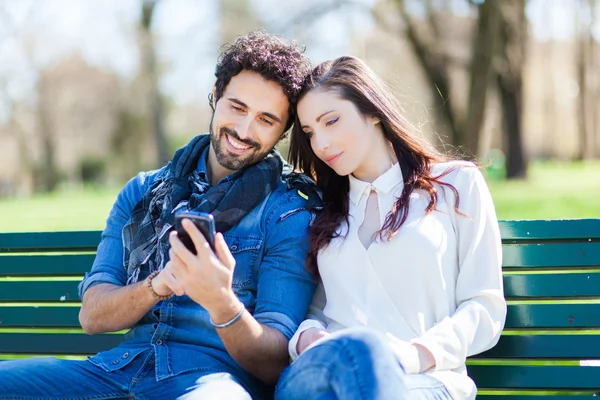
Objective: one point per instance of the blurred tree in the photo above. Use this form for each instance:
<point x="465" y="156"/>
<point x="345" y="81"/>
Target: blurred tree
<point x="426" y="38"/>
<point x="150" y="76"/>
<point x="236" y="17"/>
<point x="588" y="80"/>
<point x="140" y="142"/>
<point x="497" y="54"/>
<point x="46" y="173"/>
<point x="509" y="70"/>
<point x="481" y="72"/>
<point x="19" y="113"/>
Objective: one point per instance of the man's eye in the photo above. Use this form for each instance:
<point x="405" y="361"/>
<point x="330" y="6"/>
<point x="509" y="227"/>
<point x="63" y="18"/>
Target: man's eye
<point x="267" y="121"/>
<point x="236" y="108"/>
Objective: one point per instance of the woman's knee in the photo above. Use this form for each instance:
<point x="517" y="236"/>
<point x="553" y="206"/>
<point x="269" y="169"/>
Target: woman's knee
<point x="361" y="342"/>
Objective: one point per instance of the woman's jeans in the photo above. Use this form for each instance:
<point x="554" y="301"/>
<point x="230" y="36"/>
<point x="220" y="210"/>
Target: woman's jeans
<point x="354" y="364"/>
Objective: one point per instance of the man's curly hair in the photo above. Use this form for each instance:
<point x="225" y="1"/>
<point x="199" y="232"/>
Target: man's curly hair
<point x="273" y="57"/>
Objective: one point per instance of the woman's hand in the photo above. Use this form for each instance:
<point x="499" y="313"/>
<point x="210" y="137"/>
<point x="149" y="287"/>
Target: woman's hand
<point x="414" y="358"/>
<point x="308" y="337"/>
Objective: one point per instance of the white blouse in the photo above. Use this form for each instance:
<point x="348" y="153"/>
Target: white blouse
<point x="436" y="283"/>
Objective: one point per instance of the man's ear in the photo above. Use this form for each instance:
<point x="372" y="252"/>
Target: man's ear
<point x="374" y="120"/>
<point x="213" y="99"/>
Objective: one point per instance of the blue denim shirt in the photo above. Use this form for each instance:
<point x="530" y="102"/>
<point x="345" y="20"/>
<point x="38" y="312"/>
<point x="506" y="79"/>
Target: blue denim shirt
<point x="269" y="245"/>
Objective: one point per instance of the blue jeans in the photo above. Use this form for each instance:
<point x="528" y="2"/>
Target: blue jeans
<point x="54" y="379"/>
<point x="354" y="364"/>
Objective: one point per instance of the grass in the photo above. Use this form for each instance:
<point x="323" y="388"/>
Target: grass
<point x="553" y="190"/>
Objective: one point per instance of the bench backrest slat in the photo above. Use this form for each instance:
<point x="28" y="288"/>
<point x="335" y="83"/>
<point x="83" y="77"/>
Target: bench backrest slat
<point x="48" y="241"/>
<point x="543" y="286"/>
<point x="57" y="343"/>
<point x="550" y="229"/>
<point x="39" y="317"/>
<point x="39" y="291"/>
<point x="551" y="255"/>
<point x="546" y="347"/>
<point x="533" y="377"/>
<point x="46" y="265"/>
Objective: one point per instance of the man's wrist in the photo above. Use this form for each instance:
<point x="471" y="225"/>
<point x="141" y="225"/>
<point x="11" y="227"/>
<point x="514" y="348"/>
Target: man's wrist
<point x="149" y="284"/>
<point x="226" y="310"/>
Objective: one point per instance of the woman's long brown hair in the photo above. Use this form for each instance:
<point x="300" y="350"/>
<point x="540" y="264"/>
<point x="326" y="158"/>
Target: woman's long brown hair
<point x="352" y="80"/>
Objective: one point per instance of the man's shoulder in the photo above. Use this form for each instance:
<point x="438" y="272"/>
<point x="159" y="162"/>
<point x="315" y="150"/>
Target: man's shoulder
<point x="286" y="200"/>
<point x="145" y="179"/>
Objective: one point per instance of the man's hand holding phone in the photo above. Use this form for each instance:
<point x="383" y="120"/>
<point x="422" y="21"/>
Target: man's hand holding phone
<point x="206" y="276"/>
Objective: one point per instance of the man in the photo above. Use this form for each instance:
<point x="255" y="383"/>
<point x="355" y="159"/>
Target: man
<point x="211" y="325"/>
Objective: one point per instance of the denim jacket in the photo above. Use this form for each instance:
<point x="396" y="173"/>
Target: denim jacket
<point x="269" y="245"/>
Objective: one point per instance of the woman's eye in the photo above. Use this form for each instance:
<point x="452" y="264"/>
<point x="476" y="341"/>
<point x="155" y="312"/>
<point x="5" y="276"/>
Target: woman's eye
<point x="309" y="134"/>
<point x="236" y="108"/>
<point x="331" y="122"/>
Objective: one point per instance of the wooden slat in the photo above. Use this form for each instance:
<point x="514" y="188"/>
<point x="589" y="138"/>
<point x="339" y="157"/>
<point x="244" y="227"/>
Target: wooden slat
<point x="46" y="265"/>
<point x="538" y="316"/>
<point x="49" y="241"/>
<point x="547" y="255"/>
<point x="531" y="286"/>
<point x="37" y="291"/>
<point x="56" y="343"/>
<point x="527" y="377"/>
<point x="39" y="317"/>
<point x="550" y="229"/>
<point x="573" y="347"/>
<point x="533" y="396"/>
<point x="553" y="316"/>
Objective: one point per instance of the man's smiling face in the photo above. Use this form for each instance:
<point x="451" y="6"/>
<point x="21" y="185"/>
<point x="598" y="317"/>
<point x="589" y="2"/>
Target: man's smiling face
<point x="248" y="121"/>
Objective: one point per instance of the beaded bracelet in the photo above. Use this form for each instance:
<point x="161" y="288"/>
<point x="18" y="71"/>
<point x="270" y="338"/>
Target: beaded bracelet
<point x="149" y="284"/>
<point x="231" y="321"/>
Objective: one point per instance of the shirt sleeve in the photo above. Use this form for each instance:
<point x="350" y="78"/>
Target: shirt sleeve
<point x="108" y="264"/>
<point x="285" y="287"/>
<point x="478" y="321"/>
<point x="315" y="319"/>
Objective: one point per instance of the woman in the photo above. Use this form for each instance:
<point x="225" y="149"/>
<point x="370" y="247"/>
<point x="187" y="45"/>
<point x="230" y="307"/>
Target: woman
<point x="408" y="251"/>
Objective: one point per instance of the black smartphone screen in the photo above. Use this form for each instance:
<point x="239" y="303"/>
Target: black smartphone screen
<point x="204" y="222"/>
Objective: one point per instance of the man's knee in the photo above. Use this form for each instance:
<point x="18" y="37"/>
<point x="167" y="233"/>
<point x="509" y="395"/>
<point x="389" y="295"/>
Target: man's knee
<point x="217" y="386"/>
<point x="29" y="365"/>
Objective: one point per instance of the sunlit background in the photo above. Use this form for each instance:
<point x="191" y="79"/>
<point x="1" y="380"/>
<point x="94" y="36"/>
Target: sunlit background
<point x="92" y="92"/>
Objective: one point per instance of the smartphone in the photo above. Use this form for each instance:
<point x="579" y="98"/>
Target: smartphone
<point x="205" y="223"/>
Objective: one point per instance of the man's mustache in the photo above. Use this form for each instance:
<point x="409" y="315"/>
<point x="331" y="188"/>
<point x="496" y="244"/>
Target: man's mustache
<point x="235" y="135"/>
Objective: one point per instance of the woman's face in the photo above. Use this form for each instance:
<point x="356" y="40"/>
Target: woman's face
<point x="339" y="134"/>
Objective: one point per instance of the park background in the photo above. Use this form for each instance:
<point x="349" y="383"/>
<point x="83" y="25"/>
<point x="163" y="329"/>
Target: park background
<point x="93" y="92"/>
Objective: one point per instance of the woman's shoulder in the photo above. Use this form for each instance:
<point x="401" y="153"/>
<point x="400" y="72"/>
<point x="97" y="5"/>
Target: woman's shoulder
<point x="454" y="169"/>
<point x="463" y="175"/>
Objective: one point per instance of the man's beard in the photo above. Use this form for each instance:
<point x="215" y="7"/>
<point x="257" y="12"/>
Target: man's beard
<point x="234" y="162"/>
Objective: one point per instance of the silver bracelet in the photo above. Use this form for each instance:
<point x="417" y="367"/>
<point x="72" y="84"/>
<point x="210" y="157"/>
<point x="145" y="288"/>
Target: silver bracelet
<point x="231" y="321"/>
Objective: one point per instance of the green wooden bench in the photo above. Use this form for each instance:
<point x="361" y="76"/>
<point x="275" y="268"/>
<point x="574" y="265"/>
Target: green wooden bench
<point x="552" y="282"/>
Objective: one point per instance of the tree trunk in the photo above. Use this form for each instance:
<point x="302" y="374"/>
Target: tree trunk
<point x="434" y="64"/>
<point x="151" y="77"/>
<point x="481" y="73"/>
<point x="513" y="35"/>
<point x="585" y="55"/>
<point x="46" y="174"/>
<point x="594" y="70"/>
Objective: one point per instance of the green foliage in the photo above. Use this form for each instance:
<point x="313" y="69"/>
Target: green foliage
<point x="553" y="190"/>
<point x="92" y="169"/>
